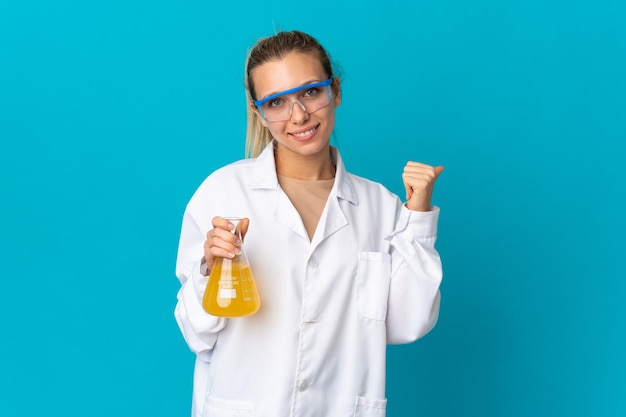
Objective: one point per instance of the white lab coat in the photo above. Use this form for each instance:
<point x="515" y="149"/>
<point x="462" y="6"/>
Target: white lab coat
<point x="329" y="306"/>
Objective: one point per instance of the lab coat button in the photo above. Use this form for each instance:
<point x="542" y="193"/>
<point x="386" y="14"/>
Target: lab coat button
<point x="303" y="385"/>
<point x="314" y="262"/>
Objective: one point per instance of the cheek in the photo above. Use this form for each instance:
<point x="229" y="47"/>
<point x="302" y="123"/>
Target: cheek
<point x="329" y="116"/>
<point x="274" y="128"/>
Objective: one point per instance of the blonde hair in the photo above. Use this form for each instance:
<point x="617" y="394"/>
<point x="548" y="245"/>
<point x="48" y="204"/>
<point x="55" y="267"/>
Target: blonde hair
<point x="268" y="49"/>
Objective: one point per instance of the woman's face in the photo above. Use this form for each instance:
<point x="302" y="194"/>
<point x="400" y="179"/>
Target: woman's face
<point x="304" y="134"/>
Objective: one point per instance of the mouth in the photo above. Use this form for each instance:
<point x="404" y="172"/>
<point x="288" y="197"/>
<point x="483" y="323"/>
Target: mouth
<point x="305" y="133"/>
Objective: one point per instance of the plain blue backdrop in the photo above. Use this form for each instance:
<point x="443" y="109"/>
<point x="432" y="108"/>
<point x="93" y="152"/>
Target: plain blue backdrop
<point x="112" y="113"/>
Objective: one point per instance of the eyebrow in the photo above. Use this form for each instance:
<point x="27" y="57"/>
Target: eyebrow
<point x="314" y="83"/>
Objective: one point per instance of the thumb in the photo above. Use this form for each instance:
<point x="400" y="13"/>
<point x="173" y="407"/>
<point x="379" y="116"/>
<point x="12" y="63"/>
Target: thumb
<point x="243" y="226"/>
<point x="438" y="170"/>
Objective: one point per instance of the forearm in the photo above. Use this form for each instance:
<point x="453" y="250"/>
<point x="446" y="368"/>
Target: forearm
<point x="199" y="328"/>
<point x="414" y="295"/>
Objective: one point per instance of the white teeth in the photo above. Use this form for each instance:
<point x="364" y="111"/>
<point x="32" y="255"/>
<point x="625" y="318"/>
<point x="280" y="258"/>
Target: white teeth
<point x="303" y="134"/>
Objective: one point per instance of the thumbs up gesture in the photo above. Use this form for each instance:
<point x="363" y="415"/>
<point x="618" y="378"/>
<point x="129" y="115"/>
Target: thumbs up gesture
<point x="419" y="182"/>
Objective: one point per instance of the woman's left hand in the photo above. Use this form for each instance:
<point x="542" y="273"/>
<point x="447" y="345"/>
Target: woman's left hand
<point x="419" y="181"/>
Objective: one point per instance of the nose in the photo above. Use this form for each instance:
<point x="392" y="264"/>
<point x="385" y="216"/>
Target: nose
<point x="298" y="112"/>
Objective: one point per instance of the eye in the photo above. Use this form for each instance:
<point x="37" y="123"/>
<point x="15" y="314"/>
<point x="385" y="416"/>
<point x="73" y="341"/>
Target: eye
<point x="312" y="92"/>
<point x="274" y="103"/>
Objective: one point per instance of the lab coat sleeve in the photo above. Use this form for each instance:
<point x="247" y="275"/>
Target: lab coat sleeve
<point x="413" y="306"/>
<point x="199" y="328"/>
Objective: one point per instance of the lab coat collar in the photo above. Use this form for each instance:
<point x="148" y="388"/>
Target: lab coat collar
<point x="264" y="174"/>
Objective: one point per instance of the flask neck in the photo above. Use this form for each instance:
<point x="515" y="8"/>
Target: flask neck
<point x="235" y="221"/>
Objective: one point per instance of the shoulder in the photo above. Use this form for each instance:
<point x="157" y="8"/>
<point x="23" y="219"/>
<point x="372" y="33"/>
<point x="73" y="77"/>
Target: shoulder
<point x="372" y="197"/>
<point x="231" y="171"/>
<point x="362" y="188"/>
<point x="370" y="188"/>
<point x="227" y="177"/>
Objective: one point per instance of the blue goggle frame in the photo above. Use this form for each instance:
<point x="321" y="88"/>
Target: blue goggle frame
<point x="258" y="103"/>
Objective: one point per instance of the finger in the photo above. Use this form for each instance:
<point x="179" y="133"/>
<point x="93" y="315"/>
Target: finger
<point x="221" y="242"/>
<point x="419" y="168"/>
<point x="418" y="186"/>
<point x="222" y="223"/>
<point x="415" y="178"/>
<point x="216" y="246"/>
<point x="419" y="171"/>
<point x="421" y="186"/>
<point x="417" y="165"/>
<point x="225" y="239"/>
<point x="243" y="226"/>
<point x="224" y="252"/>
<point x="418" y="179"/>
<point x="219" y="233"/>
<point x="224" y="230"/>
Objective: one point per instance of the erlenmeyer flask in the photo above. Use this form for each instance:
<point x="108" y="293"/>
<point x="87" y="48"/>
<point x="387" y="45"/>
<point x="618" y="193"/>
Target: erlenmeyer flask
<point x="231" y="291"/>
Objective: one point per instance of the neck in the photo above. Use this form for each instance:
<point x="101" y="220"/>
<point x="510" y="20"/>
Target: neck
<point x="304" y="167"/>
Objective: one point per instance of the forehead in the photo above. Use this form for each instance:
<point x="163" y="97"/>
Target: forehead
<point x="292" y="70"/>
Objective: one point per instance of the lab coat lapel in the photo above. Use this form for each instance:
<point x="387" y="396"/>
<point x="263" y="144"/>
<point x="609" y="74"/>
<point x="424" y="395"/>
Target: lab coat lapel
<point x="333" y="217"/>
<point x="264" y="177"/>
<point x="285" y="213"/>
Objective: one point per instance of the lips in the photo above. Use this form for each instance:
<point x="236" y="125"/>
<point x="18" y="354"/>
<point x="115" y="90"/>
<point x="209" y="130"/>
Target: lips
<point x="305" y="134"/>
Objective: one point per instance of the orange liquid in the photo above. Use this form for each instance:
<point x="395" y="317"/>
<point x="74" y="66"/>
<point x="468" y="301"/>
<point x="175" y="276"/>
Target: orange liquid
<point x="231" y="291"/>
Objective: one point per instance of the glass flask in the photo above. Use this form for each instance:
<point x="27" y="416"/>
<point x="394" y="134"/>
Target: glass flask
<point x="231" y="290"/>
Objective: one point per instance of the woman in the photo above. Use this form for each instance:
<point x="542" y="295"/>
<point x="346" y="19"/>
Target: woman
<point x="342" y="266"/>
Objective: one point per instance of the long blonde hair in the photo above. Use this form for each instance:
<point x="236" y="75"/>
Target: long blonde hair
<point x="273" y="48"/>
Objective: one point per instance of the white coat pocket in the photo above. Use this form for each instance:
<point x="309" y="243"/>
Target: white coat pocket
<point x="217" y="407"/>
<point x="372" y="292"/>
<point x="368" y="407"/>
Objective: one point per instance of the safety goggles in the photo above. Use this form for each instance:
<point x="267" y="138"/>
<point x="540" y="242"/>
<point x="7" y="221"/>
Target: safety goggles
<point x="311" y="97"/>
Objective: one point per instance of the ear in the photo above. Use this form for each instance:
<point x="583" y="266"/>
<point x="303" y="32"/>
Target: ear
<point x="336" y="87"/>
<point x="256" y="112"/>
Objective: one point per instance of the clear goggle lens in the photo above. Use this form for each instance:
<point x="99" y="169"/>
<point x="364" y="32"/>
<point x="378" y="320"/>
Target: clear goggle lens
<point x="311" y="97"/>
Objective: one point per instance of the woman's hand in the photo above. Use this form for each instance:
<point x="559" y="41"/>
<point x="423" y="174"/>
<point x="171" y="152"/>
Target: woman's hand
<point x="419" y="181"/>
<point x="221" y="241"/>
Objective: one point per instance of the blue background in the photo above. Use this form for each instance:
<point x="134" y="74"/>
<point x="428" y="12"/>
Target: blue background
<point x="111" y="114"/>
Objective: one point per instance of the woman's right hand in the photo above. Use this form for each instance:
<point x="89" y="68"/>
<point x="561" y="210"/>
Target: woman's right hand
<point x="221" y="241"/>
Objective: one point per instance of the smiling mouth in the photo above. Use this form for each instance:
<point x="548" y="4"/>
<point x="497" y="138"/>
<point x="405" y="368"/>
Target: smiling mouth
<point x="305" y="133"/>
